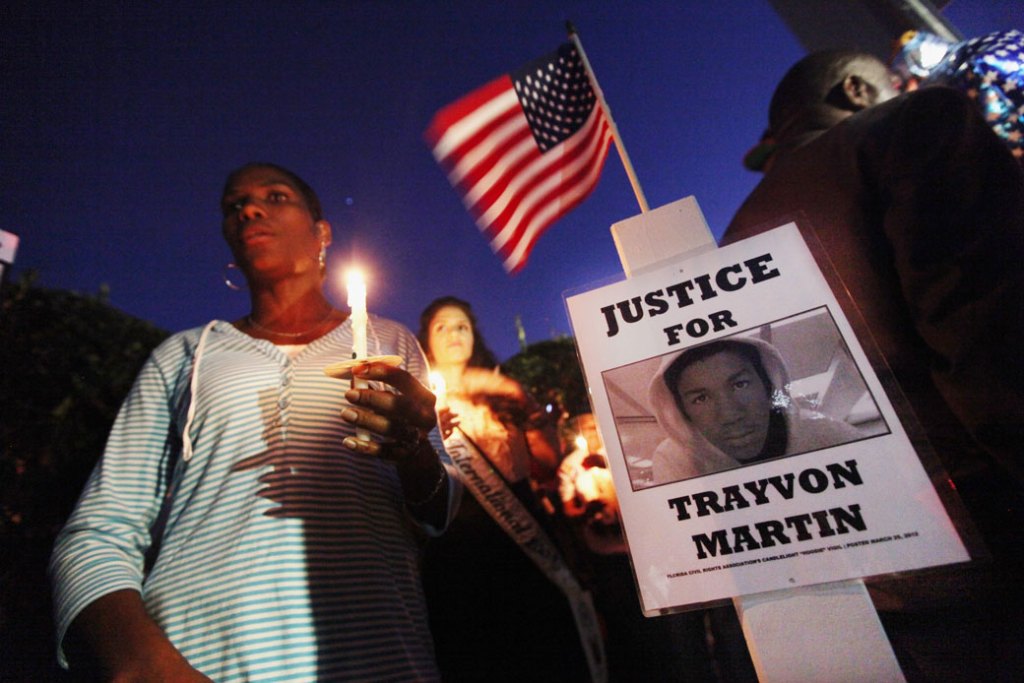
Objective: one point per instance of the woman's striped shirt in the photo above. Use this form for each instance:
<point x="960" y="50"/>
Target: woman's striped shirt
<point x="282" y="556"/>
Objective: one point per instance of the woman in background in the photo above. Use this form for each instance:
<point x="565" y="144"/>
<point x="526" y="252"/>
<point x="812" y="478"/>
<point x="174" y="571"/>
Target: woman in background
<point x="493" y="613"/>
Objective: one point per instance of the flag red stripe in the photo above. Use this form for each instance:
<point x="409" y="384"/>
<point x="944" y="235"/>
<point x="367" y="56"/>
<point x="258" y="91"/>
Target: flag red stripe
<point x="498" y="158"/>
<point x="458" y="110"/>
<point x="516" y="265"/>
<point x="480" y="140"/>
<point x="509" y="172"/>
<point x="572" y="150"/>
<point x="567" y="186"/>
<point x="527" y="175"/>
<point x="573" y="189"/>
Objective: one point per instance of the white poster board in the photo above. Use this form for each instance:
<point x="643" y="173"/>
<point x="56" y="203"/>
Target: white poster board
<point x="845" y="497"/>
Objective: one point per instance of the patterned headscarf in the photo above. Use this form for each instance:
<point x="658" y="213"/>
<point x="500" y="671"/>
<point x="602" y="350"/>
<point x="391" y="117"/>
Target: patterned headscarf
<point x="989" y="69"/>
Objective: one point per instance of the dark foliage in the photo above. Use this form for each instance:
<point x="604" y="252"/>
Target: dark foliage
<point x="67" y="362"/>
<point x="550" y="371"/>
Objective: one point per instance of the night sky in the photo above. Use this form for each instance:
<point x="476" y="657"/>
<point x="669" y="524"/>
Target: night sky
<point x="120" y="120"/>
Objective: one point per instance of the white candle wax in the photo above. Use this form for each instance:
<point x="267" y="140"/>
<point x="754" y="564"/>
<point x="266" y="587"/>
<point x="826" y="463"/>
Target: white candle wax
<point x="356" y="286"/>
<point x="357" y="304"/>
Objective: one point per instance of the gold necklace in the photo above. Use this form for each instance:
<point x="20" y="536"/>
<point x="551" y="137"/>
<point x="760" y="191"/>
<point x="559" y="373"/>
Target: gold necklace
<point x="291" y="335"/>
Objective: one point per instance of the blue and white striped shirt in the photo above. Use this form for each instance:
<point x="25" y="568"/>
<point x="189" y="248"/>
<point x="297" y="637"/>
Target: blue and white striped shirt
<point x="283" y="556"/>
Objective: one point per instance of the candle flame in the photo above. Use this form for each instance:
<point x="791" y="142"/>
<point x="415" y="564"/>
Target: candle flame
<point x="581" y="443"/>
<point x="355" y="283"/>
<point x="439" y="387"/>
<point x="437" y="383"/>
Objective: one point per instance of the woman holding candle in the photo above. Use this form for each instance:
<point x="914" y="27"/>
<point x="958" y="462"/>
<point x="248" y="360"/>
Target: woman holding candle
<point x="493" y="614"/>
<point x="236" y="527"/>
<point x="494" y="409"/>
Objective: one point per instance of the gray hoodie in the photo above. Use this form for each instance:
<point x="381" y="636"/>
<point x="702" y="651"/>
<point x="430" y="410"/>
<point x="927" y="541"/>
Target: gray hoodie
<point x="685" y="453"/>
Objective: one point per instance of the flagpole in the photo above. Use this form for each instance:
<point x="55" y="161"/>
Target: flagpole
<point x="630" y="173"/>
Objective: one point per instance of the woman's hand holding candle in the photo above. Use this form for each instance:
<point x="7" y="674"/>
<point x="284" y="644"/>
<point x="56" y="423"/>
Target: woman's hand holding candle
<point x="447" y="420"/>
<point x="402" y="419"/>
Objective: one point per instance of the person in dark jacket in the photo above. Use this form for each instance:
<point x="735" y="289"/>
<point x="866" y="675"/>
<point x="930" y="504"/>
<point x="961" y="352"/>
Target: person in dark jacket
<point x="919" y="209"/>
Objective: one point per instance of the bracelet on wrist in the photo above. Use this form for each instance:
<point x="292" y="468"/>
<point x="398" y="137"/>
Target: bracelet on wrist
<point x="441" y="480"/>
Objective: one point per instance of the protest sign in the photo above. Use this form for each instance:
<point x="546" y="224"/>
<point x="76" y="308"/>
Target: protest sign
<point x="772" y="461"/>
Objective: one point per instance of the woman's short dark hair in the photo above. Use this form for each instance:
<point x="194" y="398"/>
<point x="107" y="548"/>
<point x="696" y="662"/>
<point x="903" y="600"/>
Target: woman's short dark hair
<point x="307" y="192"/>
<point x="482" y="356"/>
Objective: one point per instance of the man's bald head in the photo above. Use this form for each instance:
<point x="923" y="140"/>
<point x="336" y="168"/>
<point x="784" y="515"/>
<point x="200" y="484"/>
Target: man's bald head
<point x="825" y="87"/>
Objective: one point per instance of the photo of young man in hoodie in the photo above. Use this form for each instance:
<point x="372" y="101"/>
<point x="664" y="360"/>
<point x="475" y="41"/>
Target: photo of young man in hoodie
<point x="726" y="404"/>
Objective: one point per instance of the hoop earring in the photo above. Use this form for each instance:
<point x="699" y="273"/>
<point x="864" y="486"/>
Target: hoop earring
<point x="227" y="278"/>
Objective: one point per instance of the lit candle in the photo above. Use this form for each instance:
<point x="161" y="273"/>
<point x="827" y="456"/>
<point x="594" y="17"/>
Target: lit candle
<point x="440" y="389"/>
<point x="356" y="286"/>
<point x="357" y="304"/>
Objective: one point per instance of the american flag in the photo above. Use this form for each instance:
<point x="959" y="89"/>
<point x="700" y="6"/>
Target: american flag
<point x="523" y="150"/>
